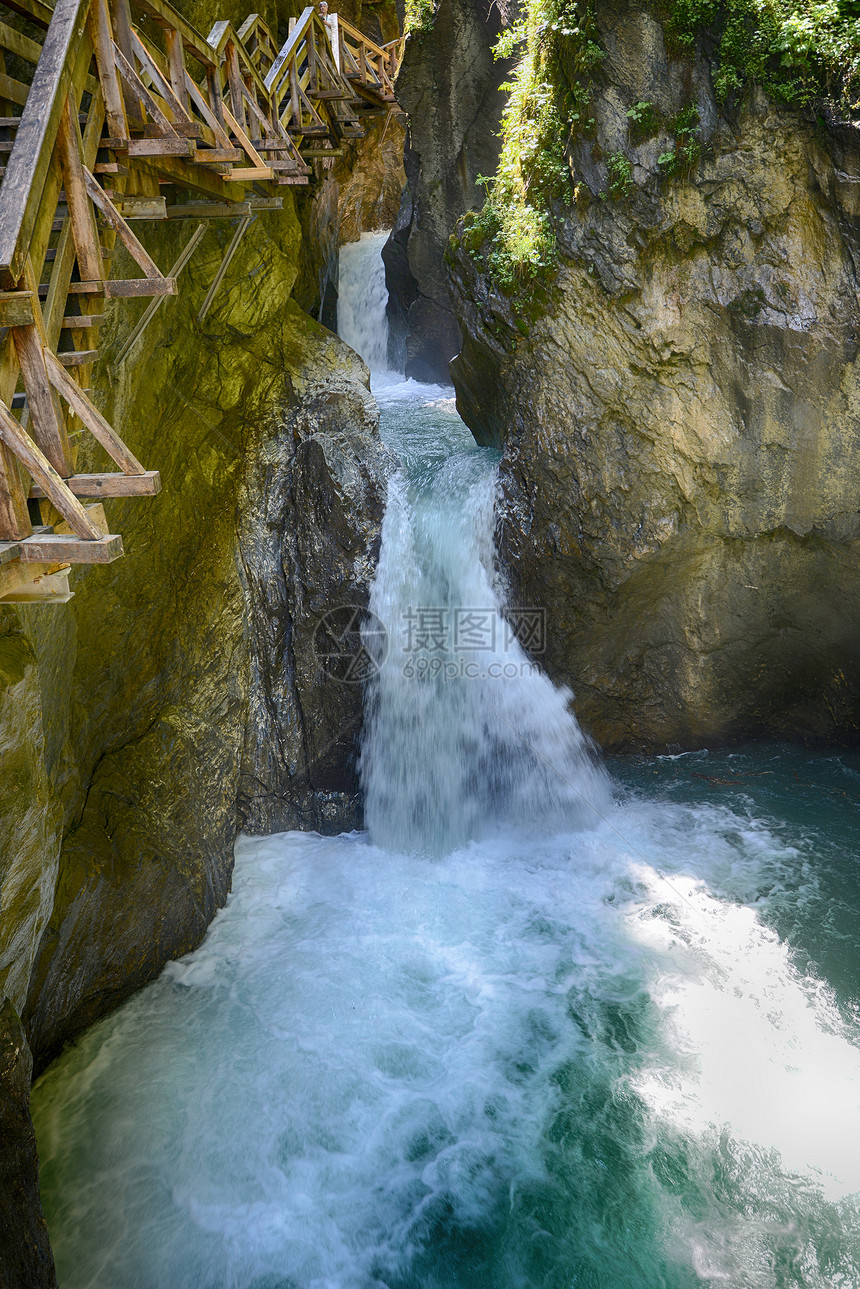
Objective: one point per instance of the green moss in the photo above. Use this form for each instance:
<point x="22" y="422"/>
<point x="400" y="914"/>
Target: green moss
<point x="797" y="50"/>
<point x="419" y="17"/>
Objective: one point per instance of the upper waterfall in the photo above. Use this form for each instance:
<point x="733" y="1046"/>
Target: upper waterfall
<point x="363" y="298"/>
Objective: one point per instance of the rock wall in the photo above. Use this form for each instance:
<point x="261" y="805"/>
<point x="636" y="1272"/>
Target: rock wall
<point x="178" y="698"/>
<point x="681" y="426"/>
<point x="26" y="1261"/>
<point x="449" y="86"/>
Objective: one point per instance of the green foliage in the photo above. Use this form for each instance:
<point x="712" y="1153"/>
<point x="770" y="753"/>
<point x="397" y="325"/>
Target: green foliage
<point x="644" y="120"/>
<point x="797" y="50"/>
<point x="688" y="143"/>
<point x="549" y="96"/>
<point x="620" y="176"/>
<point x="419" y="17"/>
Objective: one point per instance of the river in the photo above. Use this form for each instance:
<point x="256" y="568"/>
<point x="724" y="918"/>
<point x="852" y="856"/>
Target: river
<point x="549" y="1023"/>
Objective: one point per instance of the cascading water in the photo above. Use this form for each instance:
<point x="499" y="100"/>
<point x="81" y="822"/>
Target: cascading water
<point x="362" y="300"/>
<point x="538" y="1029"/>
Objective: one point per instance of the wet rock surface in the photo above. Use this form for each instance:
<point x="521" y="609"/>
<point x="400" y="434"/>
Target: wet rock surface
<point x="449" y="86"/>
<point x="145" y="722"/>
<point x="26" y="1261"/>
<point x="681" y="425"/>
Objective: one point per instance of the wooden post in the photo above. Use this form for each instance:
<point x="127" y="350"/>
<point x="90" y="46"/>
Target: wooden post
<point x="234" y="80"/>
<point x="102" y="37"/>
<point x="120" y="13"/>
<point x="49" y="427"/>
<point x="176" y="65"/>
<point x="80" y="210"/>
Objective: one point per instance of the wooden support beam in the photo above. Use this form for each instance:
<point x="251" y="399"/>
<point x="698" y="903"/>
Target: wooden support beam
<point x="49" y="427"/>
<point x="223" y="266"/>
<point x="84" y="231"/>
<point x="136" y="87"/>
<point x="146" y="60"/>
<point x="151" y="309"/>
<point x="23" y="447"/>
<point x="82" y="321"/>
<point x="55" y="548"/>
<point x="137" y="251"/>
<point x="92" y="418"/>
<point x="135" y="288"/>
<point x="16" y="308"/>
<point x="147" y="484"/>
<point x="102" y="38"/>
<point x="78" y="357"/>
<point x="176" y="67"/>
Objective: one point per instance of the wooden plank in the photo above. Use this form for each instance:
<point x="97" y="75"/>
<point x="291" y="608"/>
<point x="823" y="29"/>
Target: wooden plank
<point x="101" y="34"/>
<point x="45" y="475"/>
<point x="84" y="231"/>
<point x="134" y="288"/>
<point x="16" y="308"/>
<point x="211" y="156"/>
<point x="176" y="67"/>
<point x="19" y="44"/>
<point x="138" y="252"/>
<point x="92" y="418"/>
<point x="290" y="48"/>
<point x="234" y="81"/>
<point x="120" y="13"/>
<point x="214" y="123"/>
<point x="8" y="551"/>
<point x="209" y="210"/>
<point x="78" y="357"/>
<point x="202" y="179"/>
<point x="259" y="163"/>
<point x="14" y="91"/>
<point x="142" y="207"/>
<point x="248" y="174"/>
<point x="21" y="194"/>
<point x="14" y="516"/>
<point x="82" y="321"/>
<point x="147" y="484"/>
<point x="49" y="426"/>
<point x="174" y="146"/>
<point x="59" y="549"/>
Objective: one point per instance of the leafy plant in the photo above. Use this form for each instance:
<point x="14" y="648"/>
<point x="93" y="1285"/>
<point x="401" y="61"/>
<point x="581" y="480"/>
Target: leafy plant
<point x="620" y="176"/>
<point x="419" y="17"/>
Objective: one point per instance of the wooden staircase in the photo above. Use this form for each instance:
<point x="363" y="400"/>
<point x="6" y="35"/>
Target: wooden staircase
<point x="102" y="125"/>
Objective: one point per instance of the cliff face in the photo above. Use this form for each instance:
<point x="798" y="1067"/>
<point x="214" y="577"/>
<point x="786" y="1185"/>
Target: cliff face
<point x="179" y="697"/>
<point x="449" y="86"/>
<point x="681" y="426"/>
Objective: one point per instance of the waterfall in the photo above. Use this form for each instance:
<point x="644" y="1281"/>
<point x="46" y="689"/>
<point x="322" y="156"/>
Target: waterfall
<point x="538" y="1027"/>
<point x="464" y="735"/>
<point x="363" y="298"/>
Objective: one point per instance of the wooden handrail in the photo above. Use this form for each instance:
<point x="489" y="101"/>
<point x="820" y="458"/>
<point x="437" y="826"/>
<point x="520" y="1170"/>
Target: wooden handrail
<point x="21" y="194"/>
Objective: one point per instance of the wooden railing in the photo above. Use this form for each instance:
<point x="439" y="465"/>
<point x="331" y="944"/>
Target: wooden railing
<point x="109" y="116"/>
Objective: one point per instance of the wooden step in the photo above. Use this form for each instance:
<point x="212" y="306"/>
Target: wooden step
<point x="78" y="357"/>
<point x="137" y="287"/>
<point x="83" y="321"/>
<point x="110" y="485"/>
<point x="59" y="549"/>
